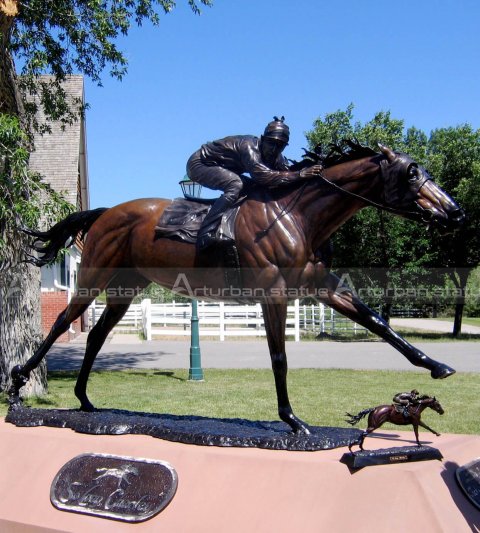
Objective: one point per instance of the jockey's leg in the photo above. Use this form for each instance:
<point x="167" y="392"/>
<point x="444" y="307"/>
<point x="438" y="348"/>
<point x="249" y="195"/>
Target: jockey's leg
<point x="206" y="234"/>
<point x="217" y="178"/>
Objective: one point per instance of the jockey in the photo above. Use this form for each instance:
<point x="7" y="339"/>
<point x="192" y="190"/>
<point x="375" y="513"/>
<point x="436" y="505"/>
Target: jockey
<point x="218" y="165"/>
<point x="403" y="400"/>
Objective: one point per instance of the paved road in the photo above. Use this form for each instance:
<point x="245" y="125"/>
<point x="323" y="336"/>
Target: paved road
<point x="167" y="354"/>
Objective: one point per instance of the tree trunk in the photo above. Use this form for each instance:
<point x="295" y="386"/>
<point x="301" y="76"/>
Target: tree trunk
<point x="386" y="311"/>
<point x="387" y="305"/>
<point x="457" y="323"/>
<point x="459" y="279"/>
<point x="20" y="330"/>
<point x="10" y="100"/>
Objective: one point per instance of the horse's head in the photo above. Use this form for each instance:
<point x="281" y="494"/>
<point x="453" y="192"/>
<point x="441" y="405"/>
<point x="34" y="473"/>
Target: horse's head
<point x="434" y="404"/>
<point x="409" y="188"/>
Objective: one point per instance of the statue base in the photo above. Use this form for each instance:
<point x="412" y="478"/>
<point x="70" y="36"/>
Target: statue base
<point x="203" y="431"/>
<point x="390" y="456"/>
<point x="242" y="489"/>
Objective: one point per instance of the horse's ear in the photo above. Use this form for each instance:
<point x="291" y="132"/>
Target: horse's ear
<point x="390" y="155"/>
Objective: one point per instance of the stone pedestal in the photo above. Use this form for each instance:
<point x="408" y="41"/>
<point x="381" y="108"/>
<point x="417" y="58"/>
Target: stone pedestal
<point x="245" y="489"/>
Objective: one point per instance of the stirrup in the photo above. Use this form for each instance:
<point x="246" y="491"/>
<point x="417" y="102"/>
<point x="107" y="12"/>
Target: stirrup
<point x="206" y="241"/>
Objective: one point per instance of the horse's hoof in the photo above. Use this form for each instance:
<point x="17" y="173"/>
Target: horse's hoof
<point x="19" y="378"/>
<point x="302" y="430"/>
<point x="87" y="408"/>
<point x="442" y="371"/>
<point x="14" y="402"/>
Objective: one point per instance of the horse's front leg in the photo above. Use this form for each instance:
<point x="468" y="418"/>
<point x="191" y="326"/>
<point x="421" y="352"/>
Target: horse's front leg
<point x="342" y="299"/>
<point x="420" y="423"/>
<point x="275" y="316"/>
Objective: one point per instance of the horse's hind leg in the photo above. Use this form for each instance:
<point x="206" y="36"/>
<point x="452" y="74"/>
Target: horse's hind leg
<point x="87" y="280"/>
<point x="344" y="301"/>
<point x="96" y="338"/>
<point x="21" y="374"/>
<point x="115" y="309"/>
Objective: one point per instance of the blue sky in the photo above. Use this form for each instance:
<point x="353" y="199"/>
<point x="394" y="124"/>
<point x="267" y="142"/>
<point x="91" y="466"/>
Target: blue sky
<point x="228" y="71"/>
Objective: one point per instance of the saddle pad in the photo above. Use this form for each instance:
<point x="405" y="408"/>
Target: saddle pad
<point x="182" y="219"/>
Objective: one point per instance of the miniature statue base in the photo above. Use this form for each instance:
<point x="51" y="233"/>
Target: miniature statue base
<point x="390" y="456"/>
<point x="187" y="429"/>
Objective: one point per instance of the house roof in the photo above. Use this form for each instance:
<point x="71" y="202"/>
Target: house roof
<point x="61" y="156"/>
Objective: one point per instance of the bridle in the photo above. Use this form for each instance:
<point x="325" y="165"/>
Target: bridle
<point x="389" y="172"/>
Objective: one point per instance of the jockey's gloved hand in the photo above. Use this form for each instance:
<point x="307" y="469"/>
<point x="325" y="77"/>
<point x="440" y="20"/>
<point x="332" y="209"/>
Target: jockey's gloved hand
<point x="311" y="172"/>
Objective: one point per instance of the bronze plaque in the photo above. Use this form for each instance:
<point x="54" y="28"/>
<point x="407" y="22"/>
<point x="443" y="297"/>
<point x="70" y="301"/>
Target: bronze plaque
<point x="109" y="486"/>
<point x="468" y="477"/>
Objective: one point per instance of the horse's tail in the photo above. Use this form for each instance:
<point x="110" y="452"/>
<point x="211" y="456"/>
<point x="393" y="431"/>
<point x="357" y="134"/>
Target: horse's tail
<point x="49" y="243"/>
<point x="354" y="419"/>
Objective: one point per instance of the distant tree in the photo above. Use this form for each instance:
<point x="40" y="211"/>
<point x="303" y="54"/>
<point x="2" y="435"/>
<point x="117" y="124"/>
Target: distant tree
<point x="395" y="245"/>
<point x="159" y="295"/>
<point x="371" y="246"/>
<point x="59" y="38"/>
<point x="454" y="159"/>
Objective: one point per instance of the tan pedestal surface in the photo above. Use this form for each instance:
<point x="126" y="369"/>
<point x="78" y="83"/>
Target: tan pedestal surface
<point x="246" y="490"/>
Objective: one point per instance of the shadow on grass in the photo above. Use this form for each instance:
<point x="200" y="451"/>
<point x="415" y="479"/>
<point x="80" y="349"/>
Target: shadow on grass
<point x="71" y="375"/>
<point x="43" y="400"/>
<point x="169" y="375"/>
<point x="437" y="336"/>
<point x="412" y="336"/>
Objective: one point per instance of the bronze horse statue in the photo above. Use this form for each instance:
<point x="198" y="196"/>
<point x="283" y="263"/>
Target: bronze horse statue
<point x="282" y="236"/>
<point x="389" y="413"/>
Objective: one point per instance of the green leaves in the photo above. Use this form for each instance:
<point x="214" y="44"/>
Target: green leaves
<point x="24" y="197"/>
<point x="373" y="240"/>
<point x="63" y="37"/>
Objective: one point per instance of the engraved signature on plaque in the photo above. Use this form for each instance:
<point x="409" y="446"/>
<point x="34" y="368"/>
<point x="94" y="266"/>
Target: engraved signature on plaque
<point x="468" y="477"/>
<point x="109" y="486"/>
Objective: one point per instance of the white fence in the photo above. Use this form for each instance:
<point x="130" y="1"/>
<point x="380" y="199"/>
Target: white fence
<point x="225" y="320"/>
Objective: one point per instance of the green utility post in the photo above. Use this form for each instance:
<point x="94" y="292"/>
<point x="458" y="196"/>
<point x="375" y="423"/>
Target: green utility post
<point x="192" y="189"/>
<point x="195" y="373"/>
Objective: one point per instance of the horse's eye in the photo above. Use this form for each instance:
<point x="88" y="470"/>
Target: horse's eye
<point x="412" y="173"/>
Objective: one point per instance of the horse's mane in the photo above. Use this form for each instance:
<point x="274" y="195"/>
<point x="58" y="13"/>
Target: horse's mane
<point x="425" y="397"/>
<point x="341" y="152"/>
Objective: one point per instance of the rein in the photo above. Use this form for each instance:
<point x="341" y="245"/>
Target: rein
<point x="285" y="210"/>
<point x="383" y="207"/>
<point x="341" y="190"/>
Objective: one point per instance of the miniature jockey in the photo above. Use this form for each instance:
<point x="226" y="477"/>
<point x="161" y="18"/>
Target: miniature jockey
<point x="219" y="164"/>
<point x="403" y="400"/>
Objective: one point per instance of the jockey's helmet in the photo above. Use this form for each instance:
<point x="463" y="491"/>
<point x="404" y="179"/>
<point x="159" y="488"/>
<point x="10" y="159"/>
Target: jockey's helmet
<point x="277" y="129"/>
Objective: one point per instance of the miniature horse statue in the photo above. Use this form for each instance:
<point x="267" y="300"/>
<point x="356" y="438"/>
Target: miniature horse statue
<point x="282" y="236"/>
<point x="389" y="413"/>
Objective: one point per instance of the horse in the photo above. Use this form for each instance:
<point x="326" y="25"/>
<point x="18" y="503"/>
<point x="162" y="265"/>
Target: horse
<point x="282" y="236"/>
<point x="377" y="416"/>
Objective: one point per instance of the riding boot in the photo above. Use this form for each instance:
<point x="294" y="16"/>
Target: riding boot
<point x="206" y="234"/>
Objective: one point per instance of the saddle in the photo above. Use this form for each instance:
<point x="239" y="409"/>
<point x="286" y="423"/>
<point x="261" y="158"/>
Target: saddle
<point x="182" y="219"/>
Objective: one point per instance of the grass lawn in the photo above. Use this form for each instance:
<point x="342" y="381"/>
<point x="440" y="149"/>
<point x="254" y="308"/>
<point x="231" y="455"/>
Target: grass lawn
<point x="470" y="321"/>
<point x="320" y="397"/>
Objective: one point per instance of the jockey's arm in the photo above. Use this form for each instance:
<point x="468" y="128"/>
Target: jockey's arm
<point x="267" y="177"/>
<point x="276" y="178"/>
